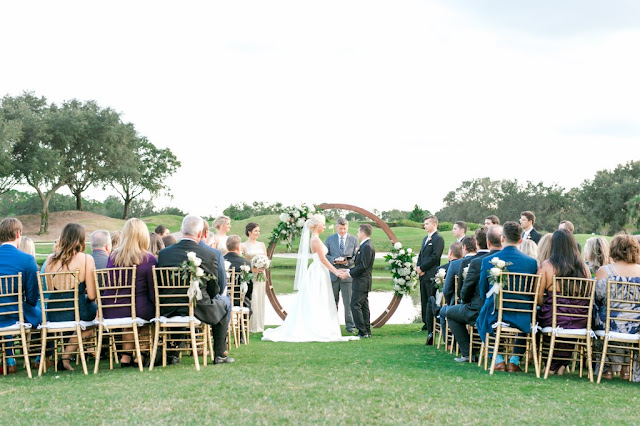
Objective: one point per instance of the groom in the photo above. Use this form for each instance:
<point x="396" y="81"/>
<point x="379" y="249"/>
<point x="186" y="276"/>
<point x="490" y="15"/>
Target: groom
<point x="361" y="274"/>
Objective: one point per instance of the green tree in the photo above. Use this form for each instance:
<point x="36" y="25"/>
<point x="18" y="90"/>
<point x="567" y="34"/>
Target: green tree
<point x="37" y="157"/>
<point x="472" y="201"/>
<point x="9" y="131"/>
<point x="139" y="166"/>
<point x="417" y="214"/>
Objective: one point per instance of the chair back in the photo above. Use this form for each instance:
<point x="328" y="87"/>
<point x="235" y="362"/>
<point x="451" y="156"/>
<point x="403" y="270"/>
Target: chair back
<point x="235" y="288"/>
<point x="116" y="288"/>
<point x="170" y="288"/>
<point x="455" y="290"/>
<point x="11" y="298"/>
<point x="519" y="294"/>
<point x="623" y="306"/>
<point x="59" y="293"/>
<point x="573" y="299"/>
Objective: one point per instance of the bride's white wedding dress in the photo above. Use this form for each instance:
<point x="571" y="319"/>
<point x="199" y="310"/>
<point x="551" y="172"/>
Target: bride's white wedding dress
<point x="314" y="315"/>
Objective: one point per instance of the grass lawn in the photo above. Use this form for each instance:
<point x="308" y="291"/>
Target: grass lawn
<point x="390" y="378"/>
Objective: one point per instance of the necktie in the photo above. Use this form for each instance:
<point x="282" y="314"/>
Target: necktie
<point x="341" y="245"/>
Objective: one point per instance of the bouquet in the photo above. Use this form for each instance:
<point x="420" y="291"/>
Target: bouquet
<point x="403" y="269"/>
<point x="261" y="261"/>
<point x="245" y="276"/>
<point x="439" y="278"/>
<point x="291" y="223"/>
<point x="191" y="271"/>
<point x="495" y="278"/>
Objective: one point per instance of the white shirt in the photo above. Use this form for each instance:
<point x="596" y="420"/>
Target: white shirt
<point x="364" y="241"/>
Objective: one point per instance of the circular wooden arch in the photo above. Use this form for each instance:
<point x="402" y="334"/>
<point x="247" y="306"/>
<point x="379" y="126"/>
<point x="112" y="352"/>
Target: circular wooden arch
<point x="395" y="301"/>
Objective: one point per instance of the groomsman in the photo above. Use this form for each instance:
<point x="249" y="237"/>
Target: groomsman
<point x="362" y="276"/>
<point x="459" y="230"/>
<point x="527" y="219"/>
<point x="342" y="245"/>
<point x="428" y="262"/>
<point x="491" y="220"/>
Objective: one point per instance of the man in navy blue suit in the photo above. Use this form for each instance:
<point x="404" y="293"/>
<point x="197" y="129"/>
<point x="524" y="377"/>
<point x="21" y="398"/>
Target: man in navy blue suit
<point x="13" y="262"/>
<point x="521" y="263"/>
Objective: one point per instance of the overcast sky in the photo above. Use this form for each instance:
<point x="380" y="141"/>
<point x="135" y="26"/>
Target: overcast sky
<point x="381" y="104"/>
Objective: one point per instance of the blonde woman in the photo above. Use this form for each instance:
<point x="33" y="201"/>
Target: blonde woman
<point x="530" y="248"/>
<point x="155" y="244"/>
<point x="251" y="248"/>
<point x="69" y="256"/>
<point x="596" y="253"/>
<point x="27" y="246"/>
<point x="133" y="251"/>
<point x="314" y="315"/>
<point x="222" y="225"/>
<point x="544" y="249"/>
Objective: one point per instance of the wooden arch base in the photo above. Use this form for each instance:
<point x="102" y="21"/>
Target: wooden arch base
<point x="395" y="301"/>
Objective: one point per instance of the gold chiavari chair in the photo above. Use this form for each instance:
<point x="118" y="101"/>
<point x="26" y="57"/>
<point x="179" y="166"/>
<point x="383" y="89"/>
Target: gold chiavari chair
<point x="116" y="289"/>
<point x="572" y="298"/>
<point x="450" y="340"/>
<point x="59" y="293"/>
<point x="519" y="295"/>
<point x="623" y="308"/>
<point x="13" y="336"/>
<point x="171" y="291"/>
<point x="239" y="324"/>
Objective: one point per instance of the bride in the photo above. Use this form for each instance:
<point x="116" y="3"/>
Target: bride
<point x="314" y="315"/>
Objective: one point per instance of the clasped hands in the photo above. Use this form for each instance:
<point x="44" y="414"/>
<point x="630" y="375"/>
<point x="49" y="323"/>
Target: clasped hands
<point x="342" y="274"/>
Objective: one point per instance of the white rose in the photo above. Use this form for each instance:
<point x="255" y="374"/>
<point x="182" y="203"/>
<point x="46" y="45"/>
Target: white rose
<point x="397" y="287"/>
<point x="312" y="209"/>
<point x="199" y="272"/>
<point x="409" y="250"/>
<point x="441" y="273"/>
<point x="401" y="281"/>
<point x="495" y="261"/>
<point x="197" y="261"/>
<point x="191" y="256"/>
<point x="296" y="214"/>
<point x="245" y="268"/>
<point x="401" y="252"/>
<point x="495" y="272"/>
<point x="300" y="223"/>
<point x="397" y="245"/>
<point x="501" y="264"/>
<point x="284" y="217"/>
<point x="407" y="264"/>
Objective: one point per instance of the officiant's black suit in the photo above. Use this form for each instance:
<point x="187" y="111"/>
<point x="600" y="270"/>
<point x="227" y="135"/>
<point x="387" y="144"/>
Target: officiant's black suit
<point x="429" y="261"/>
<point x="361" y="273"/>
<point x="209" y="309"/>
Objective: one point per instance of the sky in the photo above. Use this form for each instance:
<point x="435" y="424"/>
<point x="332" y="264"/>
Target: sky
<point x="378" y="104"/>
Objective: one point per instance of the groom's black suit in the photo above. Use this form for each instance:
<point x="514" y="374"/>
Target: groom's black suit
<point x="429" y="261"/>
<point x="362" y="277"/>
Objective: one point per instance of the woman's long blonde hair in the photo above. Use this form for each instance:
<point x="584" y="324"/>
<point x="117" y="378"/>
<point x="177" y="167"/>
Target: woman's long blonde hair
<point x="134" y="244"/>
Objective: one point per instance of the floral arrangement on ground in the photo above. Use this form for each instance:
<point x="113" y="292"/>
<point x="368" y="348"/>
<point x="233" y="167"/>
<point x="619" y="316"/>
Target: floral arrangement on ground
<point x="403" y="269"/>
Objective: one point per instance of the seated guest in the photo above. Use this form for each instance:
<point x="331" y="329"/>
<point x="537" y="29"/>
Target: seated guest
<point x="168" y="240"/>
<point x="530" y="248"/>
<point x="27" y="246"/>
<point x="155" y="244"/>
<point x="162" y="230"/>
<point x="625" y="255"/>
<point x="69" y="255"/>
<point x="133" y="251"/>
<point x="213" y="308"/>
<point x="222" y="225"/>
<point x="596" y="254"/>
<point x="488" y="315"/>
<point x="433" y="308"/>
<point x="565" y="224"/>
<point x="544" y="249"/>
<point x="13" y="262"/>
<point x="565" y="261"/>
<point x="236" y="260"/>
<point x="466" y="312"/>
<point x="100" y="247"/>
<point x="115" y="239"/>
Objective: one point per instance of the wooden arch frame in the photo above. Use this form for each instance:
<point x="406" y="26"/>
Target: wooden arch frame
<point x="395" y="301"/>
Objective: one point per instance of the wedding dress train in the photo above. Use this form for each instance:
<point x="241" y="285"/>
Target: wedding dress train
<point x="314" y="315"/>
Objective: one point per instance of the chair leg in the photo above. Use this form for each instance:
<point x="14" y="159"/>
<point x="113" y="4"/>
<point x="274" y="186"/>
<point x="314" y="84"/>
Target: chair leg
<point x="98" y="349"/>
<point x="25" y="352"/>
<point x="590" y="358"/>
<point x="136" y="342"/>
<point x="534" y="354"/>
<point x="603" y="359"/>
<point x="154" y="347"/>
<point x="81" y="350"/>
<point x="495" y="350"/>
<point x="194" y="347"/>
<point x="550" y="355"/>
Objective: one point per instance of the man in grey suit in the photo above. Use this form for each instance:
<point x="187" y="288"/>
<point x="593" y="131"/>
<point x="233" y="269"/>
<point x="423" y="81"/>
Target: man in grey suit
<point x="342" y="247"/>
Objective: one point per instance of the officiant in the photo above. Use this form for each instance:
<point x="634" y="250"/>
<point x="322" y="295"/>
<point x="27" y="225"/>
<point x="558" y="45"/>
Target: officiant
<point x="342" y="247"/>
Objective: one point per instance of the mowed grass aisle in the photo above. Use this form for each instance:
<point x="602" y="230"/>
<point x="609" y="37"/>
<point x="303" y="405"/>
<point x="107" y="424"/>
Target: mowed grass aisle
<point x="390" y="378"/>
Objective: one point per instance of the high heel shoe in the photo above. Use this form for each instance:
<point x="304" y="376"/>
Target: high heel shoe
<point x="62" y="367"/>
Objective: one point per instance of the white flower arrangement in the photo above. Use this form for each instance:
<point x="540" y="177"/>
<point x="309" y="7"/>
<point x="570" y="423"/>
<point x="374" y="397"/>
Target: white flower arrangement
<point x="495" y="278"/>
<point x="261" y="262"/>
<point x="292" y="221"/>
<point x="402" y="268"/>
<point x="245" y="276"/>
<point x="438" y="279"/>
<point x="191" y="271"/>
